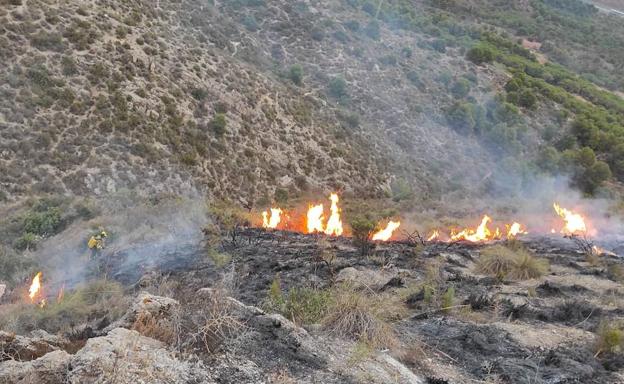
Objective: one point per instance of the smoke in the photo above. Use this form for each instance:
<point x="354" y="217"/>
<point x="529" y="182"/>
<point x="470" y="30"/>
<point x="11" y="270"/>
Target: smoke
<point x="143" y="235"/>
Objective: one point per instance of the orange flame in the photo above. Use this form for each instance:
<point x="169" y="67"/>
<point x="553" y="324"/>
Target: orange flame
<point x="273" y="220"/>
<point x="514" y="230"/>
<point x="482" y="233"/>
<point x="574" y="222"/>
<point x="314" y="221"/>
<point x="596" y="250"/>
<point x="35" y="287"/>
<point x="61" y="294"/>
<point x="386" y="233"/>
<point x="334" y="224"/>
<point x="435" y="235"/>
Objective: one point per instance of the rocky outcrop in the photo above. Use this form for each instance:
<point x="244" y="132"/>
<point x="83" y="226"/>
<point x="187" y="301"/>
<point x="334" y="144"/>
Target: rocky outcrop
<point x="369" y="278"/>
<point x="23" y="348"/>
<point x="160" y="309"/>
<point x="122" y="356"/>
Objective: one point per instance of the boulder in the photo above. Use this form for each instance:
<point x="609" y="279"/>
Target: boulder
<point x="368" y="278"/>
<point x="48" y="369"/>
<point x="24" y="348"/>
<point x="160" y="309"/>
<point x="127" y="357"/>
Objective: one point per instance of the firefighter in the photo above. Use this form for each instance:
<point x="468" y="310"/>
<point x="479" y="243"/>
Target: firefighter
<point x="96" y="243"/>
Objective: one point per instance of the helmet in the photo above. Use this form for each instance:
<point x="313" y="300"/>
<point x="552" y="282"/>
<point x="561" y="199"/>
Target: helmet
<point x="103" y="234"/>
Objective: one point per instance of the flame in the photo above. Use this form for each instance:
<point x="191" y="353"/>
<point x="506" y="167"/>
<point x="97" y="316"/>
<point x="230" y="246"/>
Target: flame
<point x="435" y="235"/>
<point x="574" y="222"/>
<point x="35" y="287"/>
<point x="482" y="233"/>
<point x="314" y="221"/>
<point x="61" y="294"/>
<point x="273" y="220"/>
<point x="514" y="230"/>
<point x="334" y="224"/>
<point x="596" y="250"/>
<point x="43" y="303"/>
<point x="386" y="233"/>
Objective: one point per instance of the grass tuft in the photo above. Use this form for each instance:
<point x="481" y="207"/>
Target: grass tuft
<point x="515" y="263"/>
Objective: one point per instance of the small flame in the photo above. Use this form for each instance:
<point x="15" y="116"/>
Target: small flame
<point x="61" y="294"/>
<point x="334" y="224"/>
<point x="435" y="235"/>
<point x="43" y="303"/>
<point x="314" y="221"/>
<point x="574" y="222"/>
<point x="273" y="220"/>
<point x="596" y="250"/>
<point x="514" y="230"/>
<point x="35" y="287"/>
<point x="386" y="233"/>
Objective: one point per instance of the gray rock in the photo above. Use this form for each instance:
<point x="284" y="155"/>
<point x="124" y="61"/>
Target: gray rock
<point x="48" y="369"/>
<point x="24" y="348"/>
<point x="158" y="307"/>
<point x="367" y="278"/>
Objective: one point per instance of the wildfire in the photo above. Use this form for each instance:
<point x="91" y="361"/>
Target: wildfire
<point x="35" y="287"/>
<point x="596" y="250"/>
<point x="435" y="235"/>
<point x="61" y="294"/>
<point x="574" y="222"/>
<point x="482" y="233"/>
<point x="315" y="218"/>
<point x="272" y="220"/>
<point x="514" y="230"/>
<point x="386" y="233"/>
<point x="334" y="224"/>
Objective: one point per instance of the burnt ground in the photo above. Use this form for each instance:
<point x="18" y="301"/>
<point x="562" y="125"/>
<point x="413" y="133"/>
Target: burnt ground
<point x="534" y="331"/>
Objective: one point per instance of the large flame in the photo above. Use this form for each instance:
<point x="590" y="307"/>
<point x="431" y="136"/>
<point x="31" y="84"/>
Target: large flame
<point x="334" y="224"/>
<point x="314" y="220"/>
<point x="574" y="222"/>
<point x="386" y="233"/>
<point x="273" y="220"/>
<point x="35" y="287"/>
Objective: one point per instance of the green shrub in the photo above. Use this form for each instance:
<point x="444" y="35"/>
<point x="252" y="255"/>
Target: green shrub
<point x="306" y="305"/>
<point x="461" y="88"/>
<point x="373" y="30"/>
<point x="338" y="88"/>
<point x="362" y="230"/>
<point x="481" y="54"/>
<point x="219" y="124"/>
<point x="448" y="298"/>
<point x="295" y="74"/>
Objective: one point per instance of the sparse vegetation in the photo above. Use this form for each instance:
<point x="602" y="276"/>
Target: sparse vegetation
<point x="362" y="229"/>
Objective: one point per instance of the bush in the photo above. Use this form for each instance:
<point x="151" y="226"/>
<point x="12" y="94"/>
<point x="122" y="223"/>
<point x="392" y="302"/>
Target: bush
<point x="461" y="117"/>
<point x="461" y="88"/>
<point x="515" y="263"/>
<point x="363" y="317"/>
<point x="372" y="30"/>
<point x="609" y="339"/>
<point x="12" y="265"/>
<point x="219" y="124"/>
<point x="362" y="230"/>
<point x="481" y="54"/>
<point x="295" y="74"/>
<point x="96" y="299"/>
<point x="338" y="88"/>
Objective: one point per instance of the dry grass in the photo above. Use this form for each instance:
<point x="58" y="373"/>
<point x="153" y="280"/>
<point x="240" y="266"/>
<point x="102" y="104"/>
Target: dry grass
<point x="165" y="330"/>
<point x="609" y="338"/>
<point x="281" y="376"/>
<point x="515" y="263"/>
<point x="364" y="317"/>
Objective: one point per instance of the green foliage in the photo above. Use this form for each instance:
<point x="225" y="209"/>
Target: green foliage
<point x="461" y="117"/>
<point x="373" y="30"/>
<point x="401" y="189"/>
<point x="281" y="196"/>
<point x="481" y="53"/>
<point x="448" y="299"/>
<point x="362" y="229"/>
<point x="307" y="305"/>
<point x="295" y="74"/>
<point x="219" y="124"/>
<point x="460" y="88"/>
<point x="338" y="88"/>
